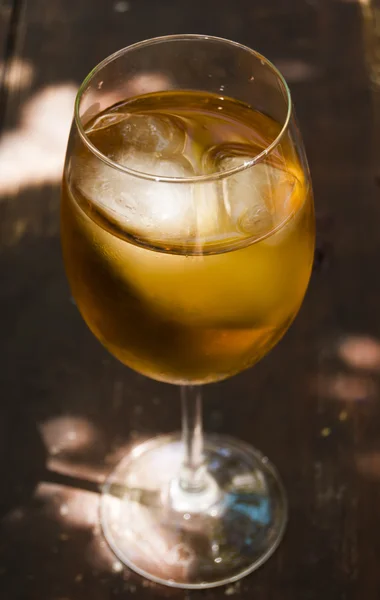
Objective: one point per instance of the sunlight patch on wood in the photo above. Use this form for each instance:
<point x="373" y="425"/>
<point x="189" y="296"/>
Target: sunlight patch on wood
<point x="33" y="154"/>
<point x="67" y="434"/>
<point x="361" y="352"/>
<point x="344" y="387"/>
<point x="16" y="75"/>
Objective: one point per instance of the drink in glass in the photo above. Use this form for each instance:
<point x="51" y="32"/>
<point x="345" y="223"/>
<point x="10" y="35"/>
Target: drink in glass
<point x="188" y="239"/>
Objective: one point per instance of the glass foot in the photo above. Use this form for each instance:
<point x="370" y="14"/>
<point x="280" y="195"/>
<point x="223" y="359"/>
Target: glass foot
<point x="193" y="540"/>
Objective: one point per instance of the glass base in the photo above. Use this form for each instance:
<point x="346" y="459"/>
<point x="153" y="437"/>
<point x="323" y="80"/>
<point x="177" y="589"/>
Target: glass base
<point x="193" y="540"/>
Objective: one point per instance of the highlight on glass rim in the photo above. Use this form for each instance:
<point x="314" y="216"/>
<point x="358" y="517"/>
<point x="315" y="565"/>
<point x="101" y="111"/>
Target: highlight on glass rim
<point x="187" y="229"/>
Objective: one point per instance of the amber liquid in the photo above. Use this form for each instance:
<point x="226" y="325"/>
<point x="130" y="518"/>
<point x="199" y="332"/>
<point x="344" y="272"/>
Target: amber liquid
<point x="186" y="283"/>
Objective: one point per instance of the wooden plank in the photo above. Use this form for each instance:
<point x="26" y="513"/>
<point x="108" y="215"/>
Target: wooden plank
<point x="9" y="14"/>
<point x="6" y="11"/>
<point x="310" y="405"/>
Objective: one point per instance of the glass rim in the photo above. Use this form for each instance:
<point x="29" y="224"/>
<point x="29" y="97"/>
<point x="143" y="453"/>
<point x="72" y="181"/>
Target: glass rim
<point x="196" y="178"/>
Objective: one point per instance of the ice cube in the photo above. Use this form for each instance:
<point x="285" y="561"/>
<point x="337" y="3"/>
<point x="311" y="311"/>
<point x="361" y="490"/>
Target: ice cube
<point x="154" y="134"/>
<point x="255" y="198"/>
<point x="142" y="207"/>
<point x="153" y="210"/>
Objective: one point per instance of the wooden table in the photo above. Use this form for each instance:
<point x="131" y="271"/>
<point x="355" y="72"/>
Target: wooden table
<point x="68" y="409"/>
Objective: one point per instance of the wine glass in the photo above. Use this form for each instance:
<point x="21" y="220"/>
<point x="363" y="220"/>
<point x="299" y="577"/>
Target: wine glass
<point x="188" y="255"/>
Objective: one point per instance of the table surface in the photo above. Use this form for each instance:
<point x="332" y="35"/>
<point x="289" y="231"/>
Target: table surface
<point x="68" y="409"/>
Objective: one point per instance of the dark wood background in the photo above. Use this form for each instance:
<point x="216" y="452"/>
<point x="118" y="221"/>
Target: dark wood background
<point x="68" y="409"/>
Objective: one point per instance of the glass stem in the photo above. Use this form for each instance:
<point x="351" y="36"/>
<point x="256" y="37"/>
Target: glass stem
<point x="192" y="476"/>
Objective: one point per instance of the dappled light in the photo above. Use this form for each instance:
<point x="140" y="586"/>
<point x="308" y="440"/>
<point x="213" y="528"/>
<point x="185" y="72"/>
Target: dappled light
<point x="17" y="75"/>
<point x="70" y="506"/>
<point x="33" y="153"/>
<point x="70" y="494"/>
<point x="62" y="434"/>
<point x="74" y="446"/>
<point x="349" y="369"/>
<point x="121" y="6"/>
<point x="346" y="387"/>
<point x="349" y="374"/>
<point x="360" y="352"/>
<point x="74" y="508"/>
<point x="296" y="71"/>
